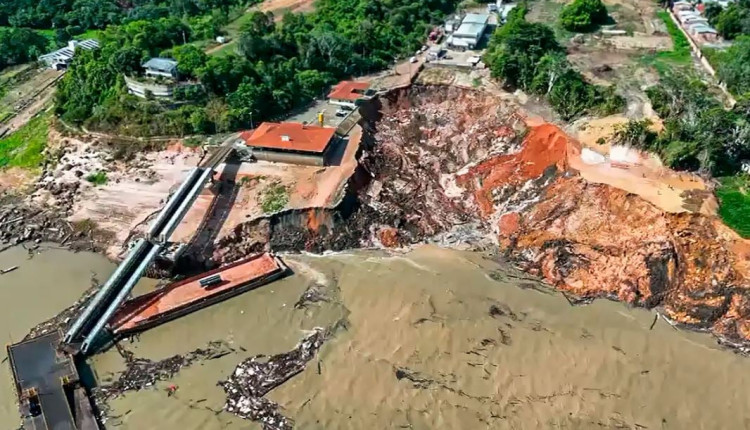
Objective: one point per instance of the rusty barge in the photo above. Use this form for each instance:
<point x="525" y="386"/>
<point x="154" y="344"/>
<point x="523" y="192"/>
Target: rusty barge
<point x="191" y="294"/>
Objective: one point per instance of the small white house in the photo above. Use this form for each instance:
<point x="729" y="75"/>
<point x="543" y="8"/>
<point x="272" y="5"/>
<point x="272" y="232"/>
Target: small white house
<point x="163" y="67"/>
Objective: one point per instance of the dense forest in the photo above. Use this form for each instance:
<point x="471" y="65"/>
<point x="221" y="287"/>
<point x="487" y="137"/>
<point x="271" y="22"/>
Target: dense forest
<point x="80" y="15"/>
<point x="732" y="21"/>
<point x="278" y="66"/>
<point x="20" y="45"/>
<point x="526" y="55"/>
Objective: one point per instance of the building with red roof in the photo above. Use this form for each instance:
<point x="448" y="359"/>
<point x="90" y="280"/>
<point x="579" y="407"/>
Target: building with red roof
<point x="347" y="93"/>
<point x="290" y="142"/>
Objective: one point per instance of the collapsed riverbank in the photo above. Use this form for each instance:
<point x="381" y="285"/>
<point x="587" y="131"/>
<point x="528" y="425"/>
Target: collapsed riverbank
<point x="455" y="166"/>
<point x="452" y="166"/>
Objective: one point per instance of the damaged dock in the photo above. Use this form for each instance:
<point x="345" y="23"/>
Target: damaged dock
<point x="191" y="294"/>
<point x="50" y="395"/>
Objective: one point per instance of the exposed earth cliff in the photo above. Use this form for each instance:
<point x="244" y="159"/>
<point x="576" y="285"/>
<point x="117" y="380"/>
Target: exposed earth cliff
<point x="465" y="168"/>
<point x="439" y="158"/>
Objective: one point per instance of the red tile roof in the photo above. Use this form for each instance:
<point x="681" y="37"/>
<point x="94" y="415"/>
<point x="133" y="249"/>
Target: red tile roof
<point x="290" y="136"/>
<point x="348" y="90"/>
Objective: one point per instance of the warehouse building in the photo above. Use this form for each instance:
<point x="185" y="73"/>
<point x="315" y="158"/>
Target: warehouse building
<point x="290" y="142"/>
<point x="470" y="32"/>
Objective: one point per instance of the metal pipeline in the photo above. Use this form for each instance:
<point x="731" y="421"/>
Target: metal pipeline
<point x="121" y="295"/>
<point x="188" y="200"/>
<point x="178" y="195"/>
<point x="104" y="292"/>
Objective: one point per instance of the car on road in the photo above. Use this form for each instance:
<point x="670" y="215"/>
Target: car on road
<point x="342" y="113"/>
<point x="413" y="59"/>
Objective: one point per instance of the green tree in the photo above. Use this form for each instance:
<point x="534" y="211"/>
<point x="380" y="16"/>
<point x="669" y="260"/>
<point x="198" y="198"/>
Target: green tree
<point x="516" y="56"/>
<point x="635" y="133"/>
<point x="733" y="21"/>
<point x="583" y="15"/>
<point x="735" y="69"/>
<point x="313" y="82"/>
<point x="712" y="12"/>
<point x="19" y="45"/>
<point x="190" y="59"/>
<point x="571" y="96"/>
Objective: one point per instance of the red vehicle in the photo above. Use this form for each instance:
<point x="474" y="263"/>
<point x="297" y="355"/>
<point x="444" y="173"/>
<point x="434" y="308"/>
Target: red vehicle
<point x="435" y="34"/>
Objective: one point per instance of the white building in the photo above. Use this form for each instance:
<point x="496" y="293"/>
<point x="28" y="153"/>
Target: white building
<point x="470" y="32"/>
<point x="163" y="87"/>
<point x="60" y="59"/>
<point x="164" y="67"/>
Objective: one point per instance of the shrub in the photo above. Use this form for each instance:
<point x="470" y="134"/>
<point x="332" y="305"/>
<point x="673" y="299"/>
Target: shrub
<point x="583" y="15"/>
<point x="98" y="178"/>
<point x="275" y="198"/>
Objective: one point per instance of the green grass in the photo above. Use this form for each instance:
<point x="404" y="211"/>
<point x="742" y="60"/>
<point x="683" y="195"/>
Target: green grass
<point x="98" y="178"/>
<point x="90" y="34"/>
<point x="226" y="49"/>
<point x="734" y="203"/>
<point x="679" y="55"/>
<point x="24" y="147"/>
<point x="275" y="198"/>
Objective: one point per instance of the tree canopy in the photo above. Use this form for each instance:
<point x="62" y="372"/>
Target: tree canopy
<point x="699" y="133"/>
<point x="277" y="65"/>
<point x="583" y="15"/>
<point x="732" y="21"/>
<point x="734" y="69"/>
<point x="527" y="56"/>
<point x="19" y="45"/>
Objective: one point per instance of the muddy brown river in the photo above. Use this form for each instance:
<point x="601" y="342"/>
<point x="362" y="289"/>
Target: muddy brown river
<point x="434" y="339"/>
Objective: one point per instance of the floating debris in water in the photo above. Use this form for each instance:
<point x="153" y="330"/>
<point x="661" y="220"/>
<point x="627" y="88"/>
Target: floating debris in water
<point x="254" y="377"/>
<point x="313" y="294"/>
<point x="142" y="372"/>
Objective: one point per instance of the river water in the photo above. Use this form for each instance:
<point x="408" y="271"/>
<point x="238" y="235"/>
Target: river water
<point x="433" y="339"/>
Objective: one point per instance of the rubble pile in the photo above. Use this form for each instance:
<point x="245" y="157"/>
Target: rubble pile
<point x="256" y="376"/>
<point x="21" y="222"/>
<point x="424" y="140"/>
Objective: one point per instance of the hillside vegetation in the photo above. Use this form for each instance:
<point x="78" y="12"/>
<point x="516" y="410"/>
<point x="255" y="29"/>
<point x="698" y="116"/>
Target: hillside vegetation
<point x="526" y="55"/>
<point x="733" y="64"/>
<point x="278" y="65"/>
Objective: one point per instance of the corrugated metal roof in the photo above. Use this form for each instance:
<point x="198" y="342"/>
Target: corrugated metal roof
<point x="67" y="53"/>
<point x="476" y="18"/>
<point x="702" y="28"/>
<point x="161" y="64"/>
<point x="89" y="44"/>
<point x="470" y="30"/>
